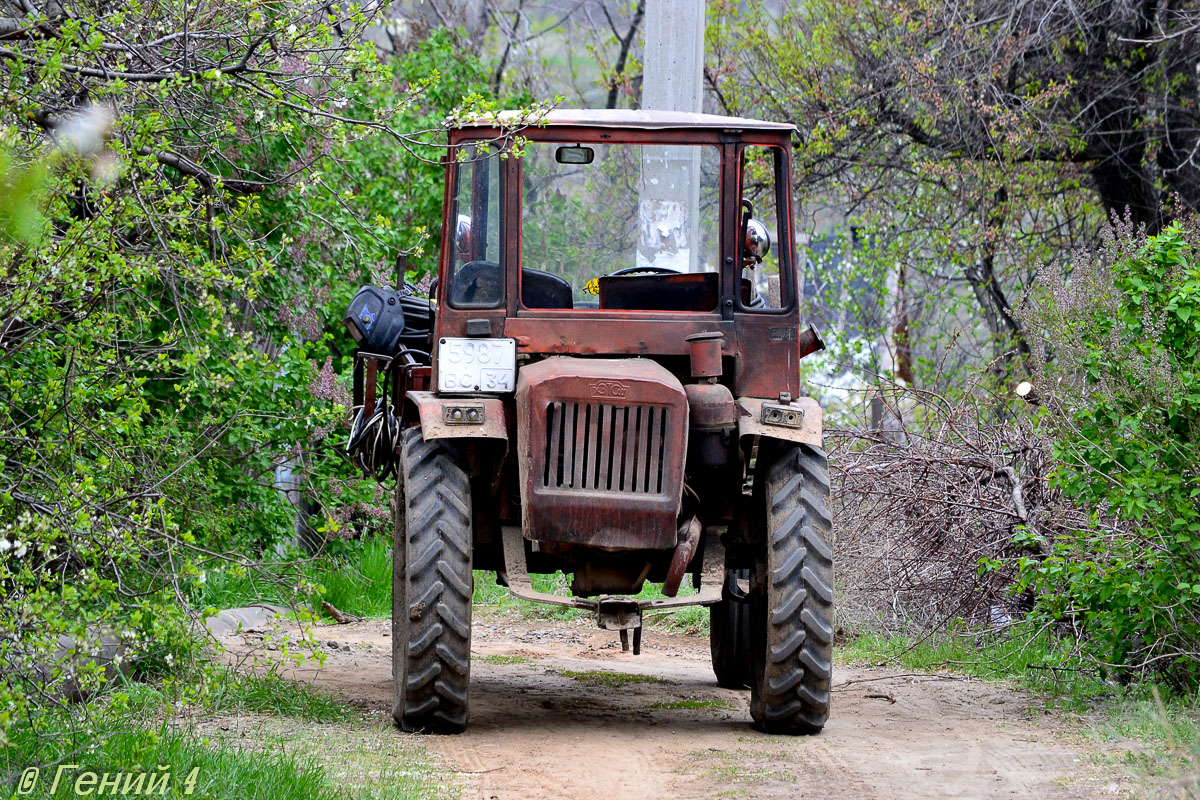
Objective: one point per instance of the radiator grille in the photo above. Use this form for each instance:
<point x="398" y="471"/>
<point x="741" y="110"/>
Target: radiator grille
<point x="605" y="448"/>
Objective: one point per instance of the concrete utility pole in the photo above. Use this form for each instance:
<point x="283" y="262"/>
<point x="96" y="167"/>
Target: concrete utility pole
<point x="673" y="81"/>
<point x="674" y="59"/>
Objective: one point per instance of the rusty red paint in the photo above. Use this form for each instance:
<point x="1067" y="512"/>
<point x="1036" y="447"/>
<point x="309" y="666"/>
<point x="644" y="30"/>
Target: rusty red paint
<point x="809" y="342"/>
<point x="710" y="406"/>
<point x="577" y="368"/>
<point x="705" y="352"/>
<point x="600" y="449"/>
<point x="628" y="119"/>
<point x="765" y="364"/>
<point x="431" y="409"/>
<point x="712" y="415"/>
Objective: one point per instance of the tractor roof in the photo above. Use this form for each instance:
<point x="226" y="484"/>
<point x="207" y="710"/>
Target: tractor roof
<point x="642" y="118"/>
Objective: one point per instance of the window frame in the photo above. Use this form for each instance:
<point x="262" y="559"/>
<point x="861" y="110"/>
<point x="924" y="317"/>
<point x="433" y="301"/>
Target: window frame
<point x="785" y="247"/>
<point x="451" y="246"/>
<point x="606" y="136"/>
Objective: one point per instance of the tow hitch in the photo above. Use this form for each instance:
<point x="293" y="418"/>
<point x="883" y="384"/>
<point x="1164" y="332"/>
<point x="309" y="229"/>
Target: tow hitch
<point x="623" y="615"/>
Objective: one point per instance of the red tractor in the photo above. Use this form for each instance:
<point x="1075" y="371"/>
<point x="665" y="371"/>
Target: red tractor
<point x="610" y="388"/>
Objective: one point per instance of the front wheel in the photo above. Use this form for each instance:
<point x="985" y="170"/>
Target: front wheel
<point x="791" y="597"/>
<point x="431" y="586"/>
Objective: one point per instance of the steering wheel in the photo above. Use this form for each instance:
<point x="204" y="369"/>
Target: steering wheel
<point x="650" y="270"/>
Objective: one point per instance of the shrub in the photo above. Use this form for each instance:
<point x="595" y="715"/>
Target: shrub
<point x="1119" y="386"/>
<point x="177" y="210"/>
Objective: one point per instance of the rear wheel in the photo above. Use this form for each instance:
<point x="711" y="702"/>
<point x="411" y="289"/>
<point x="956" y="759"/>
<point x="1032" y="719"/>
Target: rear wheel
<point x="791" y="597"/>
<point x="431" y="589"/>
<point x="729" y="637"/>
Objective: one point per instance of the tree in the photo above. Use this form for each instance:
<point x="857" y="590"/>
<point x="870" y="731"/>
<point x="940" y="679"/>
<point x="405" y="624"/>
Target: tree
<point x="583" y="50"/>
<point x="198" y="177"/>
<point x="982" y="137"/>
<point x="1121" y="403"/>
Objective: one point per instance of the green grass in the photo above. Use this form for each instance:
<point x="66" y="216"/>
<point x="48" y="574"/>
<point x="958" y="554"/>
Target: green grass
<point x="690" y="704"/>
<point x="220" y="773"/>
<point x="216" y="689"/>
<point x="1174" y="723"/>
<point x="235" y="588"/>
<point x="743" y="767"/>
<point x="314" y="747"/>
<point x="688" y="619"/>
<point x="270" y="694"/>
<point x="359" y="579"/>
<point x="1167" y="730"/>
<point x="363" y="761"/>
<point x="1036" y="659"/>
<point x="356" y="578"/>
<point x="490" y="595"/>
<point x="499" y="659"/>
<point x="609" y="679"/>
<point x="493" y="597"/>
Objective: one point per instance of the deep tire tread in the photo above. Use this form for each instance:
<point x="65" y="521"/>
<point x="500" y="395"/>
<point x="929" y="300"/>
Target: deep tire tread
<point x="433" y="631"/>
<point x="794" y="601"/>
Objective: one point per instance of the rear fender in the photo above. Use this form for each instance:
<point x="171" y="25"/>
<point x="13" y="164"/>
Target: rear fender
<point x="454" y="417"/>
<point x="809" y="430"/>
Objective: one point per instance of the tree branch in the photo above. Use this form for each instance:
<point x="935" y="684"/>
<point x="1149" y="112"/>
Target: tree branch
<point x="143" y="77"/>
<point x="204" y="177"/>
<point x="614" y="86"/>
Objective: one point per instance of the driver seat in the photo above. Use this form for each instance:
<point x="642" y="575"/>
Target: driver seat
<point x="479" y="282"/>
<point x="544" y="290"/>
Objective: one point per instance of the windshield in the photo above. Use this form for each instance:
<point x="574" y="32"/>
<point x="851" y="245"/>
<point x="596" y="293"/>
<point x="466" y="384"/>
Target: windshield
<point x="620" y="226"/>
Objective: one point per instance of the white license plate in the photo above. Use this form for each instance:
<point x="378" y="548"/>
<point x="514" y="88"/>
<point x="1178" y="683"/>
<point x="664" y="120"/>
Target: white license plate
<point x="477" y="365"/>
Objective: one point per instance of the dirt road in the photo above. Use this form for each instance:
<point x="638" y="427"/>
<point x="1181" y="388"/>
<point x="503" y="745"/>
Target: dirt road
<point x="558" y="711"/>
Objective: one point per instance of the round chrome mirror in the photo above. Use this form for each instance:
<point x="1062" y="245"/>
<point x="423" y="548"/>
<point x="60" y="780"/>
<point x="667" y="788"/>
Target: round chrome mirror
<point x="462" y="237"/>
<point x="758" y="241"/>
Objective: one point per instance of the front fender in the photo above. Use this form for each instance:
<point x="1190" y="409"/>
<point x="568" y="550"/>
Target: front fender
<point x="810" y="430"/>
<point x="438" y="419"/>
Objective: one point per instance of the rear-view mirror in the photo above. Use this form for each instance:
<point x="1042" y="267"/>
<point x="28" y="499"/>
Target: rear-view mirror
<point x="574" y="154"/>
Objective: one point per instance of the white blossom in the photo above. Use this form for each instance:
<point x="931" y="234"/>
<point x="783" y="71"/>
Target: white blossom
<point x="86" y="131"/>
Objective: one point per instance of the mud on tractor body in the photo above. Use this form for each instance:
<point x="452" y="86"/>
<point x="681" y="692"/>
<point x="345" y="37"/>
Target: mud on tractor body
<point x="610" y="387"/>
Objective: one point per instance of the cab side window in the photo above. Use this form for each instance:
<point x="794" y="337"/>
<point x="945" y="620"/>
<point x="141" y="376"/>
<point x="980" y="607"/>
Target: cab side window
<point x="761" y="287"/>
<point x="476" y="260"/>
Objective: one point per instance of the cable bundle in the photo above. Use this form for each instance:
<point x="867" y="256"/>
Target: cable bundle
<point x="374" y="437"/>
<point x="376" y="431"/>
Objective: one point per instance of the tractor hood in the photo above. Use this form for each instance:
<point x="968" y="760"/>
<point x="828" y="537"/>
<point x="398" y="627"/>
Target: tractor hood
<point x="601" y="445"/>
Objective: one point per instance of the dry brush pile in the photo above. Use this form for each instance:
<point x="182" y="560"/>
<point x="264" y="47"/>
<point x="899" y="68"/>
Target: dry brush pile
<point x="929" y="497"/>
<point x="1074" y="504"/>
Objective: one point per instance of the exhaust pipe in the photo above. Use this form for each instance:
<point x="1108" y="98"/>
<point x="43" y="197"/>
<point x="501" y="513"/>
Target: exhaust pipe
<point x="810" y="342"/>
<point x="689" y="539"/>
